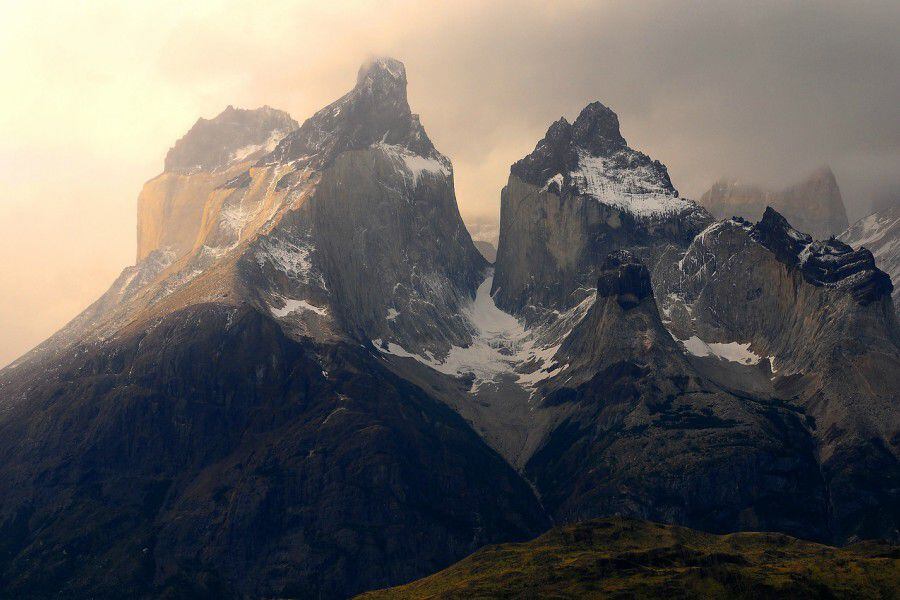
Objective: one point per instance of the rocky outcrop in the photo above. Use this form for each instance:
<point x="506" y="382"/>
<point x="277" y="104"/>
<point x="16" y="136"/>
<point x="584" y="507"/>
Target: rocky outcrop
<point x="172" y="206"/>
<point x="880" y="234"/>
<point x="234" y="135"/>
<point x="815" y="205"/>
<point x="640" y="421"/>
<point x="822" y="314"/>
<point x="579" y="195"/>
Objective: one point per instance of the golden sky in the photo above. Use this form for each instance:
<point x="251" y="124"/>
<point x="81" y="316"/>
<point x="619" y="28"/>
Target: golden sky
<point x="94" y="93"/>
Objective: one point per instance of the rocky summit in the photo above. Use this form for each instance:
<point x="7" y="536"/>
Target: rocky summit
<point x="313" y="384"/>
<point x="581" y="194"/>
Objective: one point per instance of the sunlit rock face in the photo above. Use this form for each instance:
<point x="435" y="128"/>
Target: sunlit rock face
<point x="579" y="195"/>
<point x="814" y="205"/>
<point x="172" y="206"/>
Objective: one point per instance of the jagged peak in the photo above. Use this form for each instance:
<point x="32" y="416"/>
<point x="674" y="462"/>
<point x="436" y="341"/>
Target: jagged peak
<point x="829" y="263"/>
<point x="597" y="129"/>
<point x="213" y="143"/>
<point x="591" y="158"/>
<point x="375" y="111"/>
<point x="382" y="67"/>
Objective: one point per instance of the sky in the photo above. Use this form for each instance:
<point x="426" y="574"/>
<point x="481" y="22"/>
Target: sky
<point x="96" y="92"/>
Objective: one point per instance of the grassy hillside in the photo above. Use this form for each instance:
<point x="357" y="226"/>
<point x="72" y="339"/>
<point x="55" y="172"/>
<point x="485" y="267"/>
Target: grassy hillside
<point x="624" y="558"/>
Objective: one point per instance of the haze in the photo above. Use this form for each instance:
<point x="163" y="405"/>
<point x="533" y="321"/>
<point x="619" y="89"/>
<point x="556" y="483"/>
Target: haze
<point x="95" y="93"/>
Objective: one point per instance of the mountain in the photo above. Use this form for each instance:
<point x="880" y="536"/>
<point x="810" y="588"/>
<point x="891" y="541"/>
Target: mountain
<point x="630" y="397"/>
<point x="880" y="234"/>
<point x="581" y="194"/>
<point x="219" y="423"/>
<point x="814" y="205"/>
<point x="818" y="319"/>
<point x="623" y="557"/>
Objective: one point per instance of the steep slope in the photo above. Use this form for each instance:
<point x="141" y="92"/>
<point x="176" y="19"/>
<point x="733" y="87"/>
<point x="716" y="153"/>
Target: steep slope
<point x="219" y="425"/>
<point x="880" y="234"/>
<point x="212" y="456"/>
<point x="620" y="557"/>
<point x="579" y="195"/>
<point x="641" y="422"/>
<point x="823" y="314"/>
<point x="814" y="205"/>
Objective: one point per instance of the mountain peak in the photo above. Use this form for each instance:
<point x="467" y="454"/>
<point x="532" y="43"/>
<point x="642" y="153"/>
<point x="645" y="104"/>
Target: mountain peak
<point x="591" y="158"/>
<point x="232" y="134"/>
<point x="830" y="263"/>
<point x="597" y="129"/>
<point x="380" y="68"/>
<point x="375" y="111"/>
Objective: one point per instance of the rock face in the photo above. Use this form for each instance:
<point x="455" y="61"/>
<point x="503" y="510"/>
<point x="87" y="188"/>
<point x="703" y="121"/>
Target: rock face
<point x="815" y="205"/>
<point x="631" y="397"/>
<point x="880" y="234"/>
<point x="822" y="313"/>
<point x="579" y="195"/>
<point x="380" y="230"/>
<point x="172" y="206"/>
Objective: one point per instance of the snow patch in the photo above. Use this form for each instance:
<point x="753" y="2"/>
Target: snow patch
<point x="414" y="164"/>
<point x="292" y="259"/>
<point x="291" y="305"/>
<point x="501" y="344"/>
<point x="636" y="189"/>
<point x="252" y="149"/>
<point x="730" y="351"/>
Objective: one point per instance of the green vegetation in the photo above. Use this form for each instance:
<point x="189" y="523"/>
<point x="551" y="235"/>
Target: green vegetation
<point x="623" y="558"/>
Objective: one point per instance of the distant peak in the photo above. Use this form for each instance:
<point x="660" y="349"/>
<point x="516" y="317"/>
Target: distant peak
<point x="823" y="176"/>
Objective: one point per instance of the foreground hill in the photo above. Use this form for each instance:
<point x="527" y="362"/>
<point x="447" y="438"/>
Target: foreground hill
<point x="630" y="558"/>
